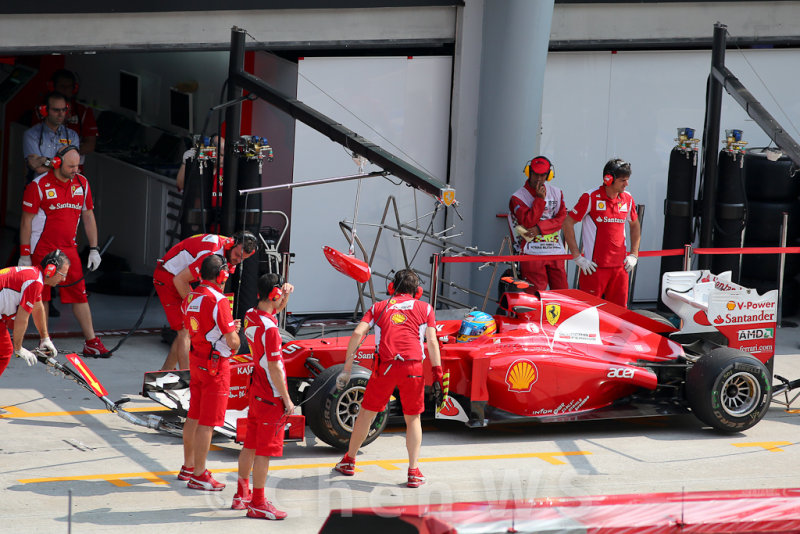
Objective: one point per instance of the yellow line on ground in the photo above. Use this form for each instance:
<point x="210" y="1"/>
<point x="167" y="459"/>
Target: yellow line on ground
<point x="15" y="412"/>
<point x="771" y="446"/>
<point x="390" y="465"/>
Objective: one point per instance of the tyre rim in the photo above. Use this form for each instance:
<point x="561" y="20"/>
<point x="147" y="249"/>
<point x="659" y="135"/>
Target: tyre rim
<point x="740" y="394"/>
<point x="348" y="407"/>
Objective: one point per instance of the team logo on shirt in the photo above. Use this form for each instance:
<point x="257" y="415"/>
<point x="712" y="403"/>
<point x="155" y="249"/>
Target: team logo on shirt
<point x="50" y="193"/>
<point x="398" y="318"/>
<point x="77" y="189"/>
<point x="623" y="207"/>
<point x="194" y="326"/>
<point x="601" y="205"/>
<point x="6" y="270"/>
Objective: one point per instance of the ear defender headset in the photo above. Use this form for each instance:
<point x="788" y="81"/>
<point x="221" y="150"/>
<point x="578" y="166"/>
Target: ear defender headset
<point x="391" y="289"/>
<point x="611" y="170"/>
<point x="52" y="263"/>
<point x="222" y="274"/>
<point x="45" y="108"/>
<point x="59" y="157"/>
<point x="540" y="165"/>
<point x="276" y="292"/>
<point x="238" y="239"/>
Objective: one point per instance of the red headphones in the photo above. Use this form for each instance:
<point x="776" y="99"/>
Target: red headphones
<point x="45" y="108"/>
<point x="59" y="157"/>
<point x="276" y="293"/>
<point x="417" y="292"/>
<point x="608" y="179"/>
<point x="52" y="265"/>
<point x="611" y="170"/>
<point x="224" y="273"/>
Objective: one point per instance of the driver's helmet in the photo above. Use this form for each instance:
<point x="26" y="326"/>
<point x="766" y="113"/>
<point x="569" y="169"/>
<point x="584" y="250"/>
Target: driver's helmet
<point x="476" y="324"/>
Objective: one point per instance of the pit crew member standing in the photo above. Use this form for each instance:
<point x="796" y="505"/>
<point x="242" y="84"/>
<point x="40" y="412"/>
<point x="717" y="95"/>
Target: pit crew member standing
<point x="42" y="142"/>
<point x="401" y="323"/>
<point x="269" y="398"/>
<point x="603" y="212"/>
<point x="52" y="206"/>
<point x="21" y="298"/>
<point x="536" y="214"/>
<point x="213" y="334"/>
<point x="179" y="268"/>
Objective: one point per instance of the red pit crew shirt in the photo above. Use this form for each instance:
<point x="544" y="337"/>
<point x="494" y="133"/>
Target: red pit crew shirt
<point x="19" y="287"/>
<point x="261" y="329"/>
<point x="57" y="207"/>
<point x="603" y="225"/>
<point x="190" y="253"/>
<point x="400" y="324"/>
<point x="207" y="316"/>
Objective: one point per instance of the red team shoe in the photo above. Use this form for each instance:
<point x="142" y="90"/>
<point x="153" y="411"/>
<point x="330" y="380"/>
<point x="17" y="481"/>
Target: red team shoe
<point x="185" y="473"/>
<point x="264" y="510"/>
<point x="346" y="466"/>
<point x="94" y="348"/>
<point x="205" y="482"/>
<point x="242" y="497"/>
<point x="415" y="478"/>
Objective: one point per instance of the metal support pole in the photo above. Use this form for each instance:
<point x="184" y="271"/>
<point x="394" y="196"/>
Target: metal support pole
<point x="434" y="279"/>
<point x="687" y="257"/>
<point x="286" y="258"/>
<point x="232" y="122"/>
<point x="782" y="265"/>
<point x="711" y="144"/>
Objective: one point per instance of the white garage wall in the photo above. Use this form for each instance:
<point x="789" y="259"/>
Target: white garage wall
<point x="598" y="105"/>
<point x="407" y="102"/>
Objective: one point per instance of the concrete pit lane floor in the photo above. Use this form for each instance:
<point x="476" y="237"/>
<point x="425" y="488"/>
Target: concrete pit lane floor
<point x="59" y="443"/>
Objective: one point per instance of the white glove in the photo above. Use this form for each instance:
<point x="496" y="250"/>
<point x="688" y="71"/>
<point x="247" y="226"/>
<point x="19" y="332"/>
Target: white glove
<point x="630" y="262"/>
<point x="26" y="355"/>
<point x="47" y="346"/>
<point x="94" y="260"/>
<point x="342" y="380"/>
<point x="189" y="154"/>
<point x="586" y="266"/>
<point x="24" y="261"/>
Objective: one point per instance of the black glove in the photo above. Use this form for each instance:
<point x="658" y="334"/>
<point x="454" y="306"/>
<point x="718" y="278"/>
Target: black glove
<point x="437" y="386"/>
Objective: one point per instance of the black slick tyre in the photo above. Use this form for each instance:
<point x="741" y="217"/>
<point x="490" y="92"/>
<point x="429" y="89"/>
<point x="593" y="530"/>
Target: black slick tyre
<point x="331" y="413"/>
<point x="729" y="389"/>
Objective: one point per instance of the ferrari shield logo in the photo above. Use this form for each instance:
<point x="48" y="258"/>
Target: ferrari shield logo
<point x="448" y="196"/>
<point x="553" y="313"/>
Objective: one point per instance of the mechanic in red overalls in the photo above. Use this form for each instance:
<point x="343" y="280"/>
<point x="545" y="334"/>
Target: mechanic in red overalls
<point x="402" y="323"/>
<point x="179" y="268"/>
<point x="603" y="212"/>
<point x="269" y="404"/>
<point x="52" y="206"/>
<point x="21" y="298"/>
<point x="536" y="214"/>
<point x="213" y="334"/>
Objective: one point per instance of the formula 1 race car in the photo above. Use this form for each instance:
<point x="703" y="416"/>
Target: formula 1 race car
<point x="560" y="356"/>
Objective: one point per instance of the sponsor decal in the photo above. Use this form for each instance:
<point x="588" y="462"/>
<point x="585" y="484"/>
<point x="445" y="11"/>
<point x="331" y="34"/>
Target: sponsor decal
<point x="77" y="190"/>
<point x="583" y="327"/>
<point x="194" y="326"/>
<point x="553" y="313"/>
<point x="448" y="196"/>
<point x="756" y="333"/>
<point x="571" y="406"/>
<point x="5" y="271"/>
<point x="392" y="301"/>
<point x="363" y="355"/>
<point x="250" y="332"/>
<point x="611" y="220"/>
<point x="755" y="349"/>
<point x="623" y="207"/>
<point x="521" y="375"/>
<point x="452" y="410"/>
<point x="29" y="303"/>
<point x="65" y="205"/>
<point x="398" y="318"/>
<point x="50" y="193"/>
<point x="731" y="305"/>
<point x="24" y="203"/>
<point x="601" y="205"/>
<point x="291" y="348"/>
<point x="760" y="317"/>
<point x="599" y="219"/>
<point x="620" y="372"/>
<point x="724" y="286"/>
<point x="407" y="305"/>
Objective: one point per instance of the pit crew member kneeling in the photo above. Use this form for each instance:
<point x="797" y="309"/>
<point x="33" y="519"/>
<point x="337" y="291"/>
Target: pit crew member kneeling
<point x="269" y="404"/>
<point x="213" y="334"/>
<point x="603" y="213"/>
<point x="401" y="323"/>
<point x="21" y="297"/>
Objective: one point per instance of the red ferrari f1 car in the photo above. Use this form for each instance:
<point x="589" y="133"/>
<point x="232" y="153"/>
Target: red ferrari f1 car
<point x="557" y="356"/>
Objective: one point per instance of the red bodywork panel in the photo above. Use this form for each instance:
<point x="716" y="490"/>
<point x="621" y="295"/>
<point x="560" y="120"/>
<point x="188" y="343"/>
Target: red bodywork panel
<point x="562" y="352"/>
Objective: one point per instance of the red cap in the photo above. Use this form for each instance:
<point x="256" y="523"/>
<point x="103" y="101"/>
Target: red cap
<point x="540" y="165"/>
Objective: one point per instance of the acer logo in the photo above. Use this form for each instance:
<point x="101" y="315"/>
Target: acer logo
<point x="620" y="372"/>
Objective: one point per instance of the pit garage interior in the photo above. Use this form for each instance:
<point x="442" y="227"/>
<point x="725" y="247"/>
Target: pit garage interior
<point x="467" y="91"/>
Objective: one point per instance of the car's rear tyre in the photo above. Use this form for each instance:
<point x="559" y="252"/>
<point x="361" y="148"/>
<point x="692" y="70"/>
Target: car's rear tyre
<point x="728" y="389"/>
<point x="331" y="413"/>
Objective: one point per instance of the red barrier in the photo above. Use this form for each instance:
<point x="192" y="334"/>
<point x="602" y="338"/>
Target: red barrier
<point x="642" y="254"/>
